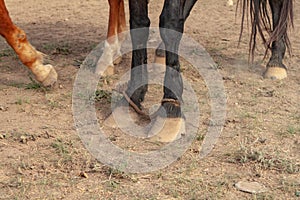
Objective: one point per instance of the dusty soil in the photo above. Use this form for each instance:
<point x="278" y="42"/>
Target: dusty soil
<point x="42" y="156"/>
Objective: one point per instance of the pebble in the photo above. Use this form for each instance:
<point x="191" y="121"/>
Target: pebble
<point x="2" y="108"/>
<point x="23" y="139"/>
<point x="230" y="2"/>
<point x="83" y="175"/>
<point x="250" y="187"/>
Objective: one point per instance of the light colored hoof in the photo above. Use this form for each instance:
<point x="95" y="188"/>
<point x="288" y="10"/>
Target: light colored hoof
<point x="110" y="122"/>
<point x="118" y="60"/>
<point x="160" y="60"/>
<point x="51" y="78"/>
<point x="167" y="129"/>
<point x="122" y="117"/>
<point x="128" y="121"/>
<point x="109" y="71"/>
<point x="275" y="73"/>
<point x="159" y="65"/>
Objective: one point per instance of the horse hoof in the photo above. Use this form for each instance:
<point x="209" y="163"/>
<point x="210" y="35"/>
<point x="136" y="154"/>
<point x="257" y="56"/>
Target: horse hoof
<point x="51" y="78"/>
<point x="121" y="87"/>
<point x="122" y="117"/>
<point x="118" y="60"/>
<point x="166" y="129"/>
<point x="160" y="60"/>
<point x="109" y="71"/>
<point x="159" y="65"/>
<point x="275" y="73"/>
<point x="110" y="122"/>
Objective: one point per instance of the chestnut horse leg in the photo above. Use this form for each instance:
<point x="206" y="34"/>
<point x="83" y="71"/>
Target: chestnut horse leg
<point x="112" y="45"/>
<point x="29" y="56"/>
<point x="121" y="22"/>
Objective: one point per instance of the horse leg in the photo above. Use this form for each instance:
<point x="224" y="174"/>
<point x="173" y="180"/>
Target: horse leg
<point x="171" y="29"/>
<point x="120" y="29"/>
<point x="28" y="55"/>
<point x="121" y="22"/>
<point x="160" y="56"/>
<point x="105" y="65"/>
<point x="138" y="83"/>
<point x="275" y="68"/>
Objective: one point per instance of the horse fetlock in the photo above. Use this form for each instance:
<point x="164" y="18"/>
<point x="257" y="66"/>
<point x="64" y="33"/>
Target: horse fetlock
<point x="172" y="108"/>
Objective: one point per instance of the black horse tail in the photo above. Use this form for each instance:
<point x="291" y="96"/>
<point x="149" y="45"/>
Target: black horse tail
<point x="261" y="21"/>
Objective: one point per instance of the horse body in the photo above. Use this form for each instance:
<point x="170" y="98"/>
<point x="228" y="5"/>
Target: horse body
<point x="29" y="56"/>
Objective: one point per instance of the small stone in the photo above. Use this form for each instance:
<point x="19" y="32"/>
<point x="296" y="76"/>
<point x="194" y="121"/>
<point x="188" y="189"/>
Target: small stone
<point x="1" y="136"/>
<point x="2" y="108"/>
<point x="20" y="170"/>
<point x="23" y="139"/>
<point x="61" y="86"/>
<point x="230" y="2"/>
<point x="250" y="187"/>
<point x="83" y="174"/>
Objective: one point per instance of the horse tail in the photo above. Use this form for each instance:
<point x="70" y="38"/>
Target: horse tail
<point x="260" y="17"/>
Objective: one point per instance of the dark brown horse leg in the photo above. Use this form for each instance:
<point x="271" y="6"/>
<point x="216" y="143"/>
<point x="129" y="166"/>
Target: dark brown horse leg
<point x="171" y="29"/>
<point x="275" y="68"/>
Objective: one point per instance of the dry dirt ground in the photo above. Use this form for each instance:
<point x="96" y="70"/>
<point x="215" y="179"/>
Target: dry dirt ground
<point x="42" y="156"/>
